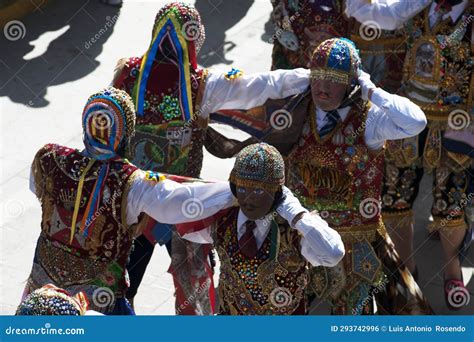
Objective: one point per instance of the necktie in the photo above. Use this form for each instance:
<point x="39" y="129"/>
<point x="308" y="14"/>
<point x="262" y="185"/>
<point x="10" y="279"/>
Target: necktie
<point x="446" y="5"/>
<point x="333" y="118"/>
<point x="247" y="243"/>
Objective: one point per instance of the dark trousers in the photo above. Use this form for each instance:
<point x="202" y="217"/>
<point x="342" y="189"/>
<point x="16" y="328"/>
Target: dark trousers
<point x="138" y="262"/>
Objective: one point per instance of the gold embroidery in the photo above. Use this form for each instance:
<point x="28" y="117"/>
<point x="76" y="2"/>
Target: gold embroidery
<point x="433" y="147"/>
<point x="447" y="226"/>
<point x="426" y="61"/>
<point x="200" y="93"/>
<point x="123" y="206"/>
<point x="402" y="152"/>
<point x="65" y="268"/>
<point x="336" y="181"/>
<point x="350" y="234"/>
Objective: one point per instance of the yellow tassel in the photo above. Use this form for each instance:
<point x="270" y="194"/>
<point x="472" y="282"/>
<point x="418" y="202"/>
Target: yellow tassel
<point x="78" y="199"/>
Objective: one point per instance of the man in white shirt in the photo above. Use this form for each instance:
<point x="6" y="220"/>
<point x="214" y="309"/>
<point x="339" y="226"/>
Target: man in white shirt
<point x="382" y="51"/>
<point x="92" y="199"/>
<point x="438" y="75"/>
<point x="333" y="136"/>
<point x="336" y="168"/>
<point x="264" y="261"/>
<point x="173" y="98"/>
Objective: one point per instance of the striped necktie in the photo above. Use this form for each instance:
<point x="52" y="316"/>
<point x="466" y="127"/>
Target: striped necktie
<point x="332" y="120"/>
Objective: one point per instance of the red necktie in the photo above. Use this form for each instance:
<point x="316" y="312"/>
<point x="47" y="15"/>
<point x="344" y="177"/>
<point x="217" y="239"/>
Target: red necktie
<point x="247" y="243"/>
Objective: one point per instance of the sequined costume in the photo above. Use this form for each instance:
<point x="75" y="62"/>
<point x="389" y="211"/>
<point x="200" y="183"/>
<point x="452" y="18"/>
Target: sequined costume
<point x="50" y="300"/>
<point x="300" y="26"/>
<point x="382" y="53"/>
<point x="91" y="201"/>
<point x="272" y="283"/>
<point x="167" y="88"/>
<point x="173" y="99"/>
<point x="340" y="177"/>
<point x="438" y="76"/>
<point x="270" y="276"/>
<point x="91" y="259"/>
<point x="382" y="50"/>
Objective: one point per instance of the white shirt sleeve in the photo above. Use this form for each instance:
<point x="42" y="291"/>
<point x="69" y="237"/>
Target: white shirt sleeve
<point x="392" y="117"/>
<point x="202" y="236"/>
<point x="290" y="207"/>
<point x="320" y="244"/>
<point x="170" y="202"/>
<point x="388" y="14"/>
<point x="253" y="90"/>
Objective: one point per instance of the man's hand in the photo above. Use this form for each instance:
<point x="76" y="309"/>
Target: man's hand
<point x="366" y="85"/>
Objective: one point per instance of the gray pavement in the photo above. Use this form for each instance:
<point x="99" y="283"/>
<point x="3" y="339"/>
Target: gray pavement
<point x="69" y="50"/>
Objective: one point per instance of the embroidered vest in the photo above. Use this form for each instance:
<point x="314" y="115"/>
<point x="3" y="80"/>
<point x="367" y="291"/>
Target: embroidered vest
<point x="338" y="176"/>
<point x="439" y="69"/>
<point x="300" y="26"/>
<point x="438" y="76"/>
<point x="382" y="53"/>
<point x="163" y="141"/>
<point x="271" y="283"/>
<point x="99" y="260"/>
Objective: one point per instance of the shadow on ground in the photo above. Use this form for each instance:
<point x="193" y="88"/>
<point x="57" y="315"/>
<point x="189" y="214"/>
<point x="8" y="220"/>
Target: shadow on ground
<point x="78" y="30"/>
<point x="217" y="17"/>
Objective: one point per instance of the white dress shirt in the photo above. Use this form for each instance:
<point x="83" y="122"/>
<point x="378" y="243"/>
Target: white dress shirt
<point x="390" y="117"/>
<point x="320" y="245"/>
<point x="454" y="14"/>
<point x="172" y="203"/>
<point x="260" y="232"/>
<point x="249" y="91"/>
<point x="392" y="14"/>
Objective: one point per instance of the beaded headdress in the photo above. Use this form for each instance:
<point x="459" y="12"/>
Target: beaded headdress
<point x="177" y="36"/>
<point x="259" y="166"/>
<point x="53" y="301"/>
<point x="188" y="18"/>
<point x="337" y="60"/>
<point x="108" y="122"/>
